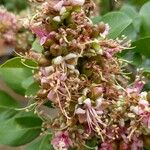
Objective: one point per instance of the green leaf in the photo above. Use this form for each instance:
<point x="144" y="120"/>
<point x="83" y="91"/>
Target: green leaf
<point x="42" y="143"/>
<point x="6" y="100"/>
<point x="17" y="70"/>
<point x="134" y="58"/>
<point x="6" y="113"/>
<point x="142" y="46"/>
<point x="16" y="127"/>
<point x="32" y="89"/>
<point x="19" y="62"/>
<point x="7" y="106"/>
<point x="14" y="77"/>
<point x="19" y="130"/>
<point x="145" y="14"/>
<point x="129" y="10"/>
<point x="27" y="82"/>
<point x="118" y="22"/>
<point x="130" y="32"/>
<point x="146" y="65"/>
<point x="134" y="15"/>
<point x="96" y="19"/>
<point x="37" y="47"/>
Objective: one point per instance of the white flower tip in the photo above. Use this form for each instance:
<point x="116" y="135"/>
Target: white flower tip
<point x="57" y="19"/>
<point x="70" y="56"/>
<point x="63" y="10"/>
<point x="87" y="102"/>
<point x="134" y="109"/>
<point x="49" y="69"/>
<point x="58" y="60"/>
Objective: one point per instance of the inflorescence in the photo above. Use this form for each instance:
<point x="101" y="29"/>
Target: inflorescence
<point x="80" y="74"/>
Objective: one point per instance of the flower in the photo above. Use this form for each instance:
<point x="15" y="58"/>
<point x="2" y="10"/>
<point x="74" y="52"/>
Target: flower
<point x="42" y="34"/>
<point x="142" y="110"/>
<point x="59" y="5"/>
<point x="106" y="31"/>
<point x="90" y="115"/>
<point x="106" y="146"/>
<point x="8" y="26"/>
<point x="138" y="85"/>
<point x="77" y="2"/>
<point x="61" y="141"/>
<point x="137" y="143"/>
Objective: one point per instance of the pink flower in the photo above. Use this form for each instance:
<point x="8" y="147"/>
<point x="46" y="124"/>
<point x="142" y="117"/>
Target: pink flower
<point x="61" y="141"/>
<point x="59" y="5"/>
<point x="42" y="34"/>
<point x="137" y="143"/>
<point x="146" y="119"/>
<point x="52" y="95"/>
<point x="106" y="146"/>
<point x="138" y="86"/>
<point x="77" y="2"/>
<point x="90" y="115"/>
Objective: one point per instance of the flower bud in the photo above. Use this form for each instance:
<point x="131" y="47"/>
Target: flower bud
<point x="42" y="94"/>
<point x="71" y="59"/>
<point x="58" y="60"/>
<point x="57" y="19"/>
<point x="43" y="61"/>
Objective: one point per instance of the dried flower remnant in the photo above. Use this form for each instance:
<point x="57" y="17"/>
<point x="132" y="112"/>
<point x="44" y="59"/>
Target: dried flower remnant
<point x="90" y="91"/>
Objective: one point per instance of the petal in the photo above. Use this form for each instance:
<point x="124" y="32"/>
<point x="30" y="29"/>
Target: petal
<point x="43" y="40"/>
<point x="59" y="5"/>
<point x="80" y="111"/>
<point x="51" y="95"/>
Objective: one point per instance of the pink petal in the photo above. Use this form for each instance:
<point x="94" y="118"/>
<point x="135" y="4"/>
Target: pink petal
<point x="59" y="5"/>
<point x="51" y="95"/>
<point x="80" y="111"/>
<point x="43" y="40"/>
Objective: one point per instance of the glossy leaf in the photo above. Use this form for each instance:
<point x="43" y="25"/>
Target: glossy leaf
<point x="16" y="127"/>
<point x="14" y="78"/>
<point x="32" y="89"/>
<point x="18" y="62"/>
<point x="18" y="131"/>
<point x="7" y="106"/>
<point x="133" y="58"/>
<point x="142" y="46"/>
<point x="132" y="31"/>
<point x="96" y="19"/>
<point x="42" y="143"/>
<point x="118" y="22"/>
<point x="27" y="82"/>
<point x="15" y="71"/>
<point x="145" y="14"/>
<point x="6" y="100"/>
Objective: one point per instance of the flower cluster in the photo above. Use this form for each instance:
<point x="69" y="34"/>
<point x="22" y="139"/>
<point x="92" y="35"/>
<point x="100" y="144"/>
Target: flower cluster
<point x="80" y="74"/>
<point x="8" y="26"/>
